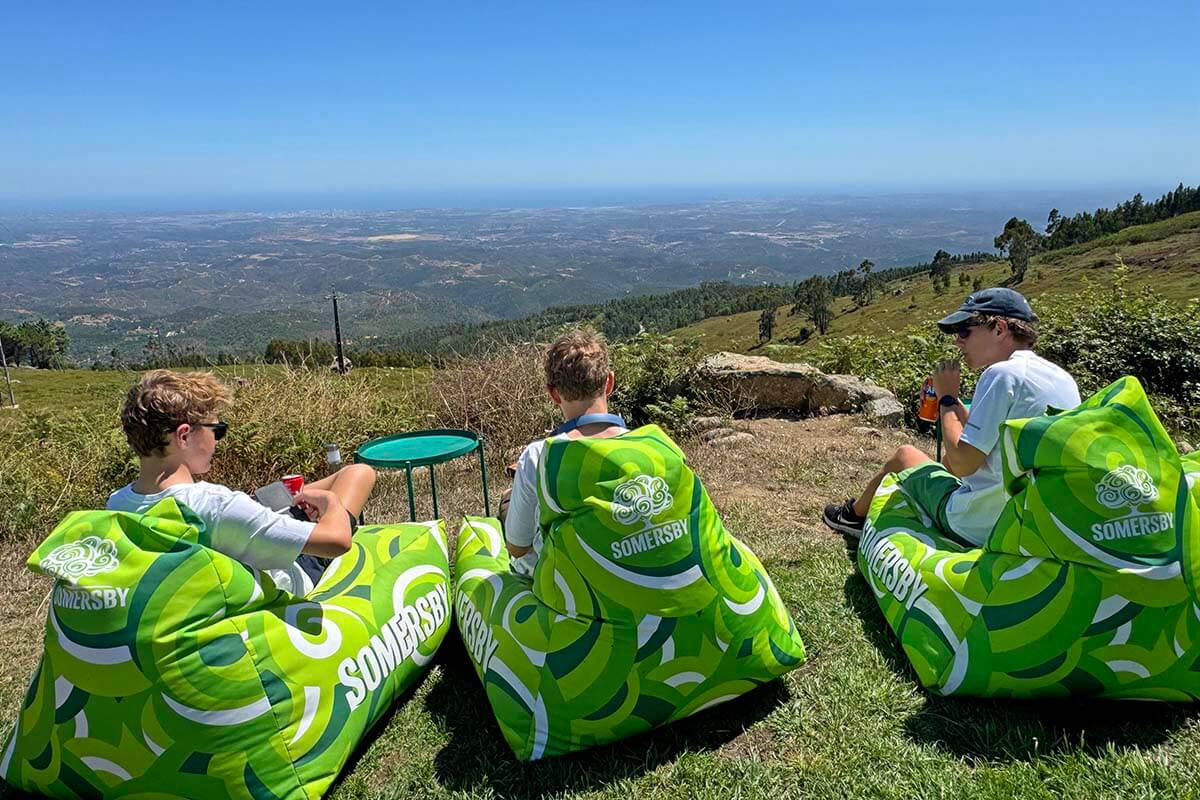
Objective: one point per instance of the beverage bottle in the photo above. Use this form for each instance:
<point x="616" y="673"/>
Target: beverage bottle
<point x="928" y="408"/>
<point x="333" y="457"/>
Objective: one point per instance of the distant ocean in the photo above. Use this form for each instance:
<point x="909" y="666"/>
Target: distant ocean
<point x="1067" y="199"/>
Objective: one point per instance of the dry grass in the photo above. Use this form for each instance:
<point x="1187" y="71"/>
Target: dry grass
<point x="500" y="394"/>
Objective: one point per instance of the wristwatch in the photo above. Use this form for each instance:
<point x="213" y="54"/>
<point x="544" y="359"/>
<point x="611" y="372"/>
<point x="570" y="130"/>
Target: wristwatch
<point x="947" y="400"/>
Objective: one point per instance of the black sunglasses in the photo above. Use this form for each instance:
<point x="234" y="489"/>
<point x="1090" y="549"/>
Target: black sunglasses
<point x="963" y="331"/>
<point x="218" y="428"/>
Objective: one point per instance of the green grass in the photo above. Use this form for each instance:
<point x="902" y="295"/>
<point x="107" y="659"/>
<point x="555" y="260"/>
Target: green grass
<point x="1164" y="255"/>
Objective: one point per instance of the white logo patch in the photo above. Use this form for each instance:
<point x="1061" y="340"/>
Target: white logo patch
<point x="640" y="498"/>
<point x="82" y="559"/>
<point x="1126" y="485"/>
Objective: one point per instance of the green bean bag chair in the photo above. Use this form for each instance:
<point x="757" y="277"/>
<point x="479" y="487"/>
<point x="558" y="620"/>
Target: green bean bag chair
<point x="172" y="670"/>
<point x="642" y="610"/>
<point x="1087" y="584"/>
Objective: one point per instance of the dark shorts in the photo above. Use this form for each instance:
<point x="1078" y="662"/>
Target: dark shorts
<point x="929" y="485"/>
<point x="314" y="566"/>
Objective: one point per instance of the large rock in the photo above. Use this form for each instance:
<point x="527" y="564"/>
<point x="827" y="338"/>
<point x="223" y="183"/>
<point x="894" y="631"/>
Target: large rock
<point x="800" y="388"/>
<point x="885" y="411"/>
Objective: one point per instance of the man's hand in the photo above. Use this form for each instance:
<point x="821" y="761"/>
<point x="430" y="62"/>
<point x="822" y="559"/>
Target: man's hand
<point x="316" y="502"/>
<point x="947" y="378"/>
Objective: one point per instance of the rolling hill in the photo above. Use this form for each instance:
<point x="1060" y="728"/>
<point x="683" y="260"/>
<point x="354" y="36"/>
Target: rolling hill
<point x="1164" y="255"/>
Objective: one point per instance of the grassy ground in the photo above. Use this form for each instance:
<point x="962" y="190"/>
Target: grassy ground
<point x="100" y="392"/>
<point x="1164" y="255"/>
<point x="850" y="723"/>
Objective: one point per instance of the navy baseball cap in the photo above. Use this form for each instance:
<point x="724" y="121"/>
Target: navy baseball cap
<point x="998" y="301"/>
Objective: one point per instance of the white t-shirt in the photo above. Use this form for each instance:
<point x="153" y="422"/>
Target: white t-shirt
<point x="238" y="526"/>
<point x="522" y="524"/>
<point x="1023" y="386"/>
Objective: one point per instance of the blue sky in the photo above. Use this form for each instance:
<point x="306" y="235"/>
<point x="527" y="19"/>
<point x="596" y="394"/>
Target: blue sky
<point x="116" y="99"/>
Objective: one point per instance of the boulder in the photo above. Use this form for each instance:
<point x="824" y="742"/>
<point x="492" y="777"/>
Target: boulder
<point x="799" y="388"/>
<point x="885" y="411"/>
<point x="701" y="424"/>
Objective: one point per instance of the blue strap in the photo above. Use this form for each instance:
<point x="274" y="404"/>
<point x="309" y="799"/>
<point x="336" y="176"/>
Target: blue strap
<point x="588" y="419"/>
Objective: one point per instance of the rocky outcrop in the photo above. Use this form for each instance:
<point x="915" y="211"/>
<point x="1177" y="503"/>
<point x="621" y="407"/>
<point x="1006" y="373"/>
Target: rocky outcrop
<point x="768" y="385"/>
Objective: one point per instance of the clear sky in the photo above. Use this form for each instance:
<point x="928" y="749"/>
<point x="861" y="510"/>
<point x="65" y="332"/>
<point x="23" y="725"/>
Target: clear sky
<point x="105" y="99"/>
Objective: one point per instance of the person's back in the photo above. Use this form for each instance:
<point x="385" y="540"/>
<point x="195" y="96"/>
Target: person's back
<point x="578" y="381"/>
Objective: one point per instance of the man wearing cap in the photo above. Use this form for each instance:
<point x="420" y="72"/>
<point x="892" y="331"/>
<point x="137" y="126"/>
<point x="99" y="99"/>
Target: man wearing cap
<point x="995" y="329"/>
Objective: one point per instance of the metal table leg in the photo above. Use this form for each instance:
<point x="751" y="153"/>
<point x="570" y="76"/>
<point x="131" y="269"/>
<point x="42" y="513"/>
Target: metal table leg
<point x="433" y="488"/>
<point x="412" y="505"/>
<point x="487" y="508"/>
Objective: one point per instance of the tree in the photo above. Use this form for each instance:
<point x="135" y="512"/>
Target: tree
<point x="766" y="325"/>
<point x="866" y="293"/>
<point x="45" y="344"/>
<point x="820" y="302"/>
<point x="11" y="340"/>
<point x="1054" y="222"/>
<point x="1018" y="241"/>
<point x="939" y="270"/>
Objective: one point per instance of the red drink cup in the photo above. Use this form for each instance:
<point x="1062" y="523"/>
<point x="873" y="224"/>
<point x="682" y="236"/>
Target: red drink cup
<point x="293" y="483"/>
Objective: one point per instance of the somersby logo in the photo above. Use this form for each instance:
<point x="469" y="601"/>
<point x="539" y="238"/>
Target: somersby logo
<point x="1128" y="486"/>
<point x="89" y="556"/>
<point x="640" y="499"/>
<point x="85" y="558"/>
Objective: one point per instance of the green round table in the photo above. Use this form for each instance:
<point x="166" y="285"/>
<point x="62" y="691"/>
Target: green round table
<point x="424" y="449"/>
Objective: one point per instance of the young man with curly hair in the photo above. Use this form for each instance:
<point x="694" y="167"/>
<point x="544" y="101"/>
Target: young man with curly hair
<point x="578" y="381"/>
<point x="995" y="330"/>
<point x="171" y="420"/>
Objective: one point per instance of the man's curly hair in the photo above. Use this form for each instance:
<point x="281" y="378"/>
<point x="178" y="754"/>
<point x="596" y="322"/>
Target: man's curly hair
<point x="577" y="364"/>
<point x="162" y="400"/>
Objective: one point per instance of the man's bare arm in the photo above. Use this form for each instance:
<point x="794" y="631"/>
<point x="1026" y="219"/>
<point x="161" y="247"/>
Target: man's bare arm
<point x="958" y="457"/>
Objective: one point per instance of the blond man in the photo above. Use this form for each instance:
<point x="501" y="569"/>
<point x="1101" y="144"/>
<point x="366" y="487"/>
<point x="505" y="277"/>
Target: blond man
<point x="578" y="381"/>
<point x="171" y="420"/>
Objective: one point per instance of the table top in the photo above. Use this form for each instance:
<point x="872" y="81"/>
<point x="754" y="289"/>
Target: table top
<point x="417" y="448"/>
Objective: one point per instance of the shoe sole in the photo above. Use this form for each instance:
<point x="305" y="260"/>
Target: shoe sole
<point x="842" y="527"/>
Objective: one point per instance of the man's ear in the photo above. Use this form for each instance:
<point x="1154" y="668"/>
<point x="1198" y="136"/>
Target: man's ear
<point x="180" y="434"/>
<point x="610" y="383"/>
<point x="554" y="395"/>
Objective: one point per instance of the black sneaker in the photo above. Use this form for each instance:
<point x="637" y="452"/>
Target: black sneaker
<point x="841" y="517"/>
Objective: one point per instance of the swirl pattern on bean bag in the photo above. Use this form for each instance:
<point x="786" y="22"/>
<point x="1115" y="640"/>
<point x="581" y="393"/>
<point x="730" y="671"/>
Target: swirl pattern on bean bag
<point x="642" y="609"/>
<point x="1087" y="584"/>
<point x="172" y="669"/>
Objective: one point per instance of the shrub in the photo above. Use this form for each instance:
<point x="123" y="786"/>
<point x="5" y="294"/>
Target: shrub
<point x="658" y="381"/>
<point x="1104" y="333"/>
<point x="1098" y="335"/>
<point x="899" y="362"/>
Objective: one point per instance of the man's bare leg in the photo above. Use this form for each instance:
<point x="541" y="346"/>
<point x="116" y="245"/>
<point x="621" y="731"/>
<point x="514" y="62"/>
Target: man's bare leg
<point x="906" y="456"/>
<point x="352" y="484"/>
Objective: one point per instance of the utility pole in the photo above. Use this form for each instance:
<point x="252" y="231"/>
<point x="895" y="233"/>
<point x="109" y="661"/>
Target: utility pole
<point x="4" y="359"/>
<point x="337" y="335"/>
